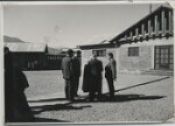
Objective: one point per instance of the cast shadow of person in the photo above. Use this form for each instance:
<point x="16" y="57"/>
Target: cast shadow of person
<point x="142" y="84"/>
<point x="57" y="107"/>
<point x="39" y="119"/>
<point x="131" y="97"/>
<point x="47" y="100"/>
<point x="121" y="98"/>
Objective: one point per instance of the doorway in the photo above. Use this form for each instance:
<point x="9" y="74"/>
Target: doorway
<point x="164" y="57"/>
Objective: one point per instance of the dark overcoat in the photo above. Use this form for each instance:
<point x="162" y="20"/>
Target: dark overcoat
<point x="92" y="78"/>
<point x="76" y="62"/>
<point x="86" y="78"/>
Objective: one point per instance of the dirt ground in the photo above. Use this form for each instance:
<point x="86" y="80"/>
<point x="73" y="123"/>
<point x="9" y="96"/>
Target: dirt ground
<point x="137" y="98"/>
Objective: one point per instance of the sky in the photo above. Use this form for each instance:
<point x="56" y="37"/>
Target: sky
<point x="70" y="25"/>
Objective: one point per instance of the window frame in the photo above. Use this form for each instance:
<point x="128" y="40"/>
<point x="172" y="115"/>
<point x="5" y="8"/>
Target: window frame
<point x="157" y="57"/>
<point x="133" y="51"/>
<point x="99" y="54"/>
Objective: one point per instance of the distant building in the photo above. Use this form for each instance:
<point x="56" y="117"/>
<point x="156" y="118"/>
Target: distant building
<point x="146" y="45"/>
<point x="28" y="56"/>
<point x="35" y="56"/>
<point x="54" y="58"/>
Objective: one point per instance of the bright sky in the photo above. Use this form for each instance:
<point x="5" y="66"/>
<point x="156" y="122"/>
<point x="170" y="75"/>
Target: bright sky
<point x="70" y="25"/>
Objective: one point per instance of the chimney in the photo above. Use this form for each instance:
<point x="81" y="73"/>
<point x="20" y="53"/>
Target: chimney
<point x="150" y="8"/>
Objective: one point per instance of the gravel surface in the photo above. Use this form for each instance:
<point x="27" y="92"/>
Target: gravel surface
<point x="137" y="98"/>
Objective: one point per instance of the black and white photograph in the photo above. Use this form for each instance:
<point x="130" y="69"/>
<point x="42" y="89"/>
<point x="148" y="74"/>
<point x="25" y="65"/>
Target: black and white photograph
<point x="88" y="63"/>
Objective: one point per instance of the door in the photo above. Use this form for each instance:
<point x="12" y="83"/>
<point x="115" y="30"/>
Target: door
<point x="164" y="57"/>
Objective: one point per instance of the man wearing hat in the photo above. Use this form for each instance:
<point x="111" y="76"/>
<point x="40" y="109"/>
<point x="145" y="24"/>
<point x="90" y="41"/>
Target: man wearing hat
<point x="68" y="75"/>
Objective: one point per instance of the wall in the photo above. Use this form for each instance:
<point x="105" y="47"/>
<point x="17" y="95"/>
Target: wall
<point x="86" y="55"/>
<point x="145" y="60"/>
<point x="140" y="62"/>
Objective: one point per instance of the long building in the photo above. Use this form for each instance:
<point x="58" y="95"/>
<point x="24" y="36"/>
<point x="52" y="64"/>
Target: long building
<point x="35" y="56"/>
<point x="146" y="45"/>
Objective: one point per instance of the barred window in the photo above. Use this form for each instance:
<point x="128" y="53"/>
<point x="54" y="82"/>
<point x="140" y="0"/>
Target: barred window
<point x="133" y="51"/>
<point x="100" y="52"/>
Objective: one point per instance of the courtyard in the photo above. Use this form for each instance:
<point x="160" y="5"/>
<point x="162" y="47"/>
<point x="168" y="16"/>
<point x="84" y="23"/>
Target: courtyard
<point x="137" y="98"/>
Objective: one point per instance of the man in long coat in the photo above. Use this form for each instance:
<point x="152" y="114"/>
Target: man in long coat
<point x="93" y="75"/>
<point x="67" y="70"/>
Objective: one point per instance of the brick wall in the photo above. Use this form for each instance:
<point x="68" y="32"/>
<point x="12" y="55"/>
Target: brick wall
<point x="141" y="62"/>
<point x="145" y="60"/>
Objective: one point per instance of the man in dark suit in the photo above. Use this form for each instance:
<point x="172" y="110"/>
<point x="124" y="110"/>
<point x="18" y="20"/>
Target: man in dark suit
<point x="77" y="71"/>
<point x="110" y="74"/>
<point x="67" y="70"/>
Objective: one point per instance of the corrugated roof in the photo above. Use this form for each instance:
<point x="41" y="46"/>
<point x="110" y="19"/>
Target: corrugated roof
<point x="26" y="47"/>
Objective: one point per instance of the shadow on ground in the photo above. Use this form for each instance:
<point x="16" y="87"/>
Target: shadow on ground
<point x="141" y="84"/>
<point x="105" y="98"/>
<point x="122" y="98"/>
<point x="84" y="99"/>
<point x="57" y="107"/>
<point x="37" y="119"/>
<point x="126" y="88"/>
<point x="129" y="97"/>
<point x="47" y="100"/>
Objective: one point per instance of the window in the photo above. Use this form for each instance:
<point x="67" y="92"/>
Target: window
<point x="164" y="57"/>
<point x="101" y="52"/>
<point x="133" y="51"/>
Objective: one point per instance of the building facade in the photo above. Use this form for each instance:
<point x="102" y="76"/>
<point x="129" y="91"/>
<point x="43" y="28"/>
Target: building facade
<point x="149" y="55"/>
<point x="146" y="45"/>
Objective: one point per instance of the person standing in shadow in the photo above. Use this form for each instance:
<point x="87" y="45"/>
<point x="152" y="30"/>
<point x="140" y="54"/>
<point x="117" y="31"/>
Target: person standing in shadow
<point x="77" y="71"/>
<point x="9" y="86"/>
<point x="110" y="74"/>
<point x="16" y="105"/>
<point x="68" y="75"/>
<point x="23" y="112"/>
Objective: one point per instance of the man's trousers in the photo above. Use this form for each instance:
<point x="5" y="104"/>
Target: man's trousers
<point x="69" y="89"/>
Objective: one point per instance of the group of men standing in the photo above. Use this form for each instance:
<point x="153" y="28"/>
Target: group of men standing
<point x="71" y="69"/>
<point x="92" y="77"/>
